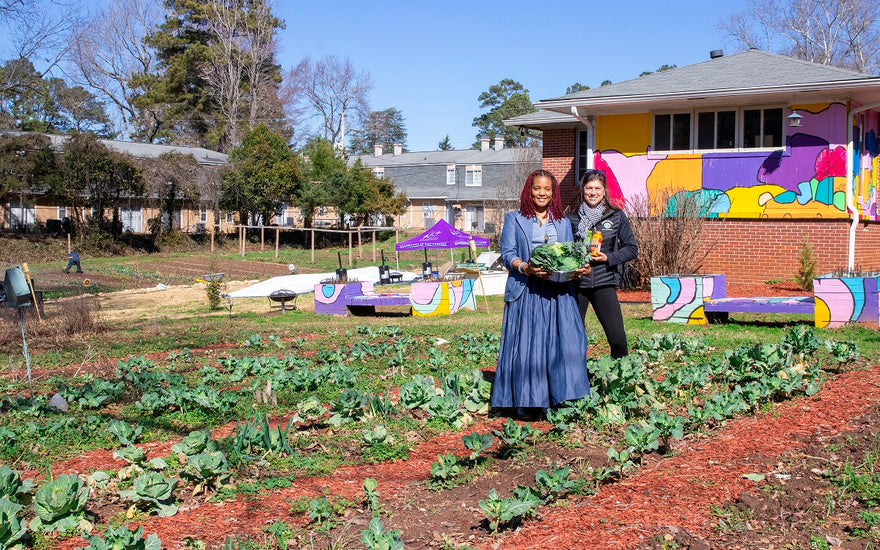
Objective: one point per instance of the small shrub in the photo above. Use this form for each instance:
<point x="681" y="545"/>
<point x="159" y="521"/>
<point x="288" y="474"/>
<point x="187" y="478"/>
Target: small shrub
<point x="807" y="265"/>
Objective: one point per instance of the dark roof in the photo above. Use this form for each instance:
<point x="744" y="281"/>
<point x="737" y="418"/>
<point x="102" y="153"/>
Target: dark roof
<point x="204" y="157"/>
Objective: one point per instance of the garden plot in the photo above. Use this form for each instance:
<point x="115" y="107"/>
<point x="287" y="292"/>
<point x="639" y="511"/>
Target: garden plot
<point x="285" y="443"/>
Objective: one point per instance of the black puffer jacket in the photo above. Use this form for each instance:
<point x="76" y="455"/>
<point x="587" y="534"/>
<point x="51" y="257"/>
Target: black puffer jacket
<point x="618" y="243"/>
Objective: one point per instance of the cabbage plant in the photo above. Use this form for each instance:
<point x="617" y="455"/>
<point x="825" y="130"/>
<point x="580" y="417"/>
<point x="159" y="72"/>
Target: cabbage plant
<point x="11" y="484"/>
<point x="60" y="505"/>
<point x="208" y="469"/>
<point x="11" y="527"/>
<point x="123" y="538"/>
<point x="155" y="490"/>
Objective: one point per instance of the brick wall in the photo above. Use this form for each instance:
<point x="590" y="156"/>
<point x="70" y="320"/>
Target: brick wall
<point x="558" y="150"/>
<point x="754" y="251"/>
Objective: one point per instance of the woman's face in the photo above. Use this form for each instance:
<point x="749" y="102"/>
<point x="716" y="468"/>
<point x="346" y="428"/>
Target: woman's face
<point x="594" y="192"/>
<point x="542" y="192"/>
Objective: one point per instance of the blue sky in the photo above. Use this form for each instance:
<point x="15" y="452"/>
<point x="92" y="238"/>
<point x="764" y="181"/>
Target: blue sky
<point x="432" y="60"/>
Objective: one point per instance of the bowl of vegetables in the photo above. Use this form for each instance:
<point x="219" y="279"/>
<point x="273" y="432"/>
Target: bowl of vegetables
<point x="561" y="259"/>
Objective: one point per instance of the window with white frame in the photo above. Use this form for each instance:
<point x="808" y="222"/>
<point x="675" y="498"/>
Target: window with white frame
<point x="203" y="215"/>
<point x="716" y="129"/>
<point x="450" y="174"/>
<point x="379" y="172"/>
<point x="473" y="175"/>
<point x="762" y="128"/>
<point x="745" y="128"/>
<point x="62" y="212"/>
<point x="229" y="217"/>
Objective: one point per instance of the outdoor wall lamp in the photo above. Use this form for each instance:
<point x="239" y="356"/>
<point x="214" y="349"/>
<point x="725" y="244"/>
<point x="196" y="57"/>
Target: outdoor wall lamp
<point x="794" y="119"/>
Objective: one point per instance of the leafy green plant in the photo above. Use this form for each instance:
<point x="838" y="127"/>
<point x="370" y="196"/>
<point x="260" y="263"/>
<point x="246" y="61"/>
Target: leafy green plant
<point x="375" y="537"/>
<point x="444" y="471"/>
<point x="375" y="435"/>
<point x="514" y="435"/>
<point x="207" y="470"/>
<point x="123" y="538"/>
<point x="322" y="514"/>
<point x="12" y="486"/>
<point x="155" y="490"/>
<point x="12" y="529"/>
<point x="281" y="531"/>
<point x="477" y="443"/>
<point x="418" y="392"/>
<point x="807" y="265"/>
<point x="195" y="443"/>
<point x="622" y="460"/>
<point x="448" y="407"/>
<point x="507" y="510"/>
<point x="371" y="495"/>
<point x="126" y="433"/>
<point x="309" y="410"/>
<point x="256" y="433"/>
<point x="842" y="352"/>
<point x="554" y="482"/>
<point x="60" y="505"/>
<point x="348" y="407"/>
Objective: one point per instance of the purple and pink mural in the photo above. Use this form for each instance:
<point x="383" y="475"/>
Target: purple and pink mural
<point x="843" y="300"/>
<point x="442" y="298"/>
<point x="807" y="179"/>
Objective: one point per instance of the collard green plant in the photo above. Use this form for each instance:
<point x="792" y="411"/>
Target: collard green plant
<point x="60" y="505"/>
<point x="309" y="410"/>
<point x="507" y="510"/>
<point x="449" y="408"/>
<point x="12" y="486"/>
<point x="554" y="482"/>
<point x="842" y="352"/>
<point x="12" y="529"/>
<point x="155" y="491"/>
<point x="375" y="537"/>
<point x="126" y="433"/>
<point x="514" y="435"/>
<point x="477" y="443"/>
<point x="444" y="471"/>
<point x="371" y="495"/>
<point x="123" y="538"/>
<point x="321" y="513"/>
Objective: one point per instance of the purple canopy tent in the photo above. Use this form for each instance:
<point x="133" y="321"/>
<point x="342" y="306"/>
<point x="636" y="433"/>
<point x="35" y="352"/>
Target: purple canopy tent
<point x="440" y="235"/>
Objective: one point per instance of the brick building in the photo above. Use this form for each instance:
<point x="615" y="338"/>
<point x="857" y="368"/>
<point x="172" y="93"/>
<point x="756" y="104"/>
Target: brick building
<point x="777" y="148"/>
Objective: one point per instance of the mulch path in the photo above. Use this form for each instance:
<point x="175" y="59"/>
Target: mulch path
<point x="678" y="491"/>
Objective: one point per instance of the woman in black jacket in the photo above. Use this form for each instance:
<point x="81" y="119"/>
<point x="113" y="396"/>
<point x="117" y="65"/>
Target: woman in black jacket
<point x="599" y="287"/>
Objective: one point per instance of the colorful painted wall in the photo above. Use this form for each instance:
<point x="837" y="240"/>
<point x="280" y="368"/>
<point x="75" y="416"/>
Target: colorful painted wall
<point x="442" y="298"/>
<point x="806" y="180"/>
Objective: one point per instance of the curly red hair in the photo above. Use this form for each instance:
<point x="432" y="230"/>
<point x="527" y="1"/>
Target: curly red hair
<point x="527" y="206"/>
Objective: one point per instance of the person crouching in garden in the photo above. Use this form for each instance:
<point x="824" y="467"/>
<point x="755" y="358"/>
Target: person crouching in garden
<point x="542" y="357"/>
<point x="595" y="212"/>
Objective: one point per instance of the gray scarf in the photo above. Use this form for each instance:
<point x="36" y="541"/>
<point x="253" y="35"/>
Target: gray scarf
<point x="589" y="216"/>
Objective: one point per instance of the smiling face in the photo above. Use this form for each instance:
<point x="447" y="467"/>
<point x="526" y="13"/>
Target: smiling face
<point x="542" y="192"/>
<point x="594" y="192"/>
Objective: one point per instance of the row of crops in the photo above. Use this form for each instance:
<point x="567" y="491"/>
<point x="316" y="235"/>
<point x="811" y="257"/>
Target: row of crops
<point x="301" y="412"/>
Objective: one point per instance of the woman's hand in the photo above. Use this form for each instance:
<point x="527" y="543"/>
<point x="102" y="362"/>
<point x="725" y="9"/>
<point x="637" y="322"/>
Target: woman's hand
<point x="600" y="257"/>
<point x="585" y="270"/>
<point x="531" y="269"/>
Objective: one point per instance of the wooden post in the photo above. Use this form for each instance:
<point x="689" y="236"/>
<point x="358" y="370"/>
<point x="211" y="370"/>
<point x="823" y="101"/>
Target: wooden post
<point x="313" y="245"/>
<point x="27" y="276"/>
<point x="277" y="238"/>
<point x="68" y="244"/>
<point x="242" y="233"/>
<point x="360" y="245"/>
<point x="262" y="237"/>
<point x="374" y="246"/>
<point x="396" y="252"/>
<point x="350" y="241"/>
<point x="212" y="238"/>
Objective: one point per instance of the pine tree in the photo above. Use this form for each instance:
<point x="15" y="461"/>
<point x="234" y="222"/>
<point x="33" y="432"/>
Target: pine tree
<point x="807" y="265"/>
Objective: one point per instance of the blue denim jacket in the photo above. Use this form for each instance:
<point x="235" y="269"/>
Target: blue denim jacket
<point x="516" y="243"/>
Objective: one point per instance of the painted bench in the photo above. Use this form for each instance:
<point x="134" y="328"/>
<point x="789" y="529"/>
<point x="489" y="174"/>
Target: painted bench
<point x="355" y="298"/>
<point x="699" y="298"/>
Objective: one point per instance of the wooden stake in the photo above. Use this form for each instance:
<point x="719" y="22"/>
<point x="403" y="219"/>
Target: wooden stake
<point x="313" y="245"/>
<point x="374" y="246"/>
<point x="27" y="276"/>
<point x="350" y="241"/>
<point x="277" y="239"/>
<point x="262" y="237"/>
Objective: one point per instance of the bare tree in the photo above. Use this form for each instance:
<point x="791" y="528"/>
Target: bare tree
<point x="109" y="53"/>
<point x="331" y="88"/>
<point x="844" y="33"/>
<point x="38" y="30"/>
<point x="239" y="68"/>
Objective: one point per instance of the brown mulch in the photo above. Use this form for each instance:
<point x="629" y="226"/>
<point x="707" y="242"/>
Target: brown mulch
<point x="678" y="492"/>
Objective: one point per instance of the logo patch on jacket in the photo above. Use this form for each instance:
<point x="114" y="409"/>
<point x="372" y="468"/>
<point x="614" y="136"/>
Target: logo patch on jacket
<point x="607" y="224"/>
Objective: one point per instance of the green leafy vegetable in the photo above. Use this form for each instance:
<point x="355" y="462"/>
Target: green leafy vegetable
<point x="561" y="256"/>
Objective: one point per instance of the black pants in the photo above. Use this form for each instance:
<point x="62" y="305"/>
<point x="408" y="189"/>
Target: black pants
<point x="607" y="308"/>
